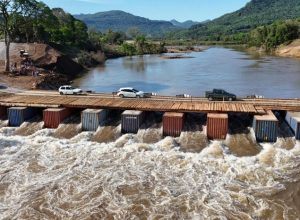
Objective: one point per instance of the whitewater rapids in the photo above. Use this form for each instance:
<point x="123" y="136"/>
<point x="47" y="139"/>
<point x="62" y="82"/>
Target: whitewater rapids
<point x="46" y="177"/>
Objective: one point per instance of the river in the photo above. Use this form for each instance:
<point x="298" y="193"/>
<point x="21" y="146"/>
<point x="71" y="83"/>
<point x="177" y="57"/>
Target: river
<point x="64" y="173"/>
<point x="237" y="71"/>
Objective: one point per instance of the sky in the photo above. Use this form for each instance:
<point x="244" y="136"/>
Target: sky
<point x="181" y="10"/>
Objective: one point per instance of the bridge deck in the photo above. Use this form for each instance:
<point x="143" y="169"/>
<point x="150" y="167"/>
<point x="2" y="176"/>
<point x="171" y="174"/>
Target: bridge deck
<point x="151" y="104"/>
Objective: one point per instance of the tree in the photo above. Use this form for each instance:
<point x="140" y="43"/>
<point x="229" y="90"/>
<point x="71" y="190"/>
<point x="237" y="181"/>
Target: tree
<point x="128" y="49"/>
<point x="140" y="42"/>
<point x="133" y="32"/>
<point x="10" y="13"/>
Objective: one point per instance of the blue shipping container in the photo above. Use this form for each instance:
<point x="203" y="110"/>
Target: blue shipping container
<point x="17" y="115"/>
<point x="265" y="127"/>
<point x="91" y="119"/>
<point x="293" y="119"/>
<point x="131" y="121"/>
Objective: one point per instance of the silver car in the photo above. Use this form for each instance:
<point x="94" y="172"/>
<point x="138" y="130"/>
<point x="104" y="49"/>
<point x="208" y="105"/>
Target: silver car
<point x="129" y="92"/>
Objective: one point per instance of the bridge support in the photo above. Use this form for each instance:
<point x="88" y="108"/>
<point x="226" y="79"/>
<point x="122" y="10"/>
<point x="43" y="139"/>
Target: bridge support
<point x="54" y="116"/>
<point x="17" y="115"/>
<point x="91" y="119"/>
<point x="173" y="124"/>
<point x="131" y="121"/>
<point x="265" y="127"/>
<point x="217" y="126"/>
<point x="293" y="119"/>
<point x="3" y="112"/>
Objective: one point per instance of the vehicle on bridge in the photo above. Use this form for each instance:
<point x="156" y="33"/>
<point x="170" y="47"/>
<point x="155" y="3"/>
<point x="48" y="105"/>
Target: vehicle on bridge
<point x="219" y="94"/>
<point x="130" y="92"/>
<point x="69" y="90"/>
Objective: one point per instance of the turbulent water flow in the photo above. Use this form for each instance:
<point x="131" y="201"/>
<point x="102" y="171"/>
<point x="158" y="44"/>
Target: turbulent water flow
<point x="30" y="127"/>
<point x="46" y="177"/>
<point x="69" y="128"/>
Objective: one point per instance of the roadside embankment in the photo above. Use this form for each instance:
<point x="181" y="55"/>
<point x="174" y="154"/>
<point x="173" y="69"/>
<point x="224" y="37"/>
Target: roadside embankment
<point x="44" y="68"/>
<point x="43" y="56"/>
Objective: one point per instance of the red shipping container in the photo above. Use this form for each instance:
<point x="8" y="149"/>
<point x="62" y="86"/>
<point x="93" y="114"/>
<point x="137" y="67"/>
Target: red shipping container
<point x="217" y="126"/>
<point x="54" y="116"/>
<point x="173" y="124"/>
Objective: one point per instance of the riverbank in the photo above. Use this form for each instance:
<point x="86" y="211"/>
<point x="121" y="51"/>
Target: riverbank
<point x="291" y="50"/>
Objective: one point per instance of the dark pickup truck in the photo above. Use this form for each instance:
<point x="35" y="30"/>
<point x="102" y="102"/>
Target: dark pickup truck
<point x="219" y="94"/>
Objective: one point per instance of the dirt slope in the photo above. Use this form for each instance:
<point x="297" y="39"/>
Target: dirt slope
<point x="43" y="56"/>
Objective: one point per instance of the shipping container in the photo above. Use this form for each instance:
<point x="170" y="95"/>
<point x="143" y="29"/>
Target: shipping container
<point x="3" y="112"/>
<point x="17" y="115"/>
<point x="91" y="119"/>
<point x="173" y="124"/>
<point x="293" y="119"/>
<point x="217" y="126"/>
<point x="131" y="121"/>
<point x="54" y="116"/>
<point x="265" y="127"/>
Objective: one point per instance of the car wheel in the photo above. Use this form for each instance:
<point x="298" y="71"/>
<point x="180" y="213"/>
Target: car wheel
<point x="61" y="93"/>
<point x="121" y="96"/>
<point x="230" y="99"/>
<point x="210" y="98"/>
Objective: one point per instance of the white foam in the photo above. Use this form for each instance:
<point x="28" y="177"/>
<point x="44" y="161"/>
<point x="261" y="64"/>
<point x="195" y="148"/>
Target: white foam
<point x="45" y="177"/>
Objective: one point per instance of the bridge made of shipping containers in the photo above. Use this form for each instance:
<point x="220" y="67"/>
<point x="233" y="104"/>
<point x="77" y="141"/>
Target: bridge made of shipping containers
<point x="94" y="108"/>
<point x="156" y="103"/>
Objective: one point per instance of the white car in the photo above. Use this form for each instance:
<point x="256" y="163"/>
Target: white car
<point x="130" y="93"/>
<point x="69" y="90"/>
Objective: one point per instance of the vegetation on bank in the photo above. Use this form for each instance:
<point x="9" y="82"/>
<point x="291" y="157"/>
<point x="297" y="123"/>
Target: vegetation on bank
<point x="115" y="44"/>
<point x="269" y="37"/>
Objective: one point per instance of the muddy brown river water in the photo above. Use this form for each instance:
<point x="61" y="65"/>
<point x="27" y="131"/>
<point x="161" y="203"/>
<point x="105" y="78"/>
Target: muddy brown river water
<point x="107" y="175"/>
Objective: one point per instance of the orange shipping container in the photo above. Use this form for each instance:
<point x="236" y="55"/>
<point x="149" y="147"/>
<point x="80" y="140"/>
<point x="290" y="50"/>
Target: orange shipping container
<point x="217" y="126"/>
<point x="173" y="124"/>
<point x="54" y="116"/>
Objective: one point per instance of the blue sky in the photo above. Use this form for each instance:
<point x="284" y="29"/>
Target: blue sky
<point x="197" y="10"/>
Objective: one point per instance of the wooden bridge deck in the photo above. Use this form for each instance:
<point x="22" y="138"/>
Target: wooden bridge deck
<point x="151" y="104"/>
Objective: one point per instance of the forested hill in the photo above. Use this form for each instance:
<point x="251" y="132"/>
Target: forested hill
<point x="185" y="24"/>
<point x="254" y="14"/>
<point x="122" y="21"/>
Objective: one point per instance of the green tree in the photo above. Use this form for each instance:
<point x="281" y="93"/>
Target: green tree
<point x="140" y="42"/>
<point x="128" y="49"/>
<point x="10" y="12"/>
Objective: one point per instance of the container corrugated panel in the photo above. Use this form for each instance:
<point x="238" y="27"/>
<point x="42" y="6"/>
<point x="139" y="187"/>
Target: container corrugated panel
<point x="91" y="119"/>
<point x="173" y="124"/>
<point x="265" y="127"/>
<point x="217" y="126"/>
<point x="293" y="119"/>
<point x="17" y="115"/>
<point x="131" y="121"/>
<point x="54" y="116"/>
